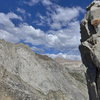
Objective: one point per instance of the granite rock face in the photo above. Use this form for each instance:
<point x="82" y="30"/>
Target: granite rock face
<point x="90" y="48"/>
<point x="25" y="75"/>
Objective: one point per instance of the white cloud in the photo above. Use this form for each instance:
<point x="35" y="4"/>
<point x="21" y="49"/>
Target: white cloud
<point x="7" y="36"/>
<point x="23" y="32"/>
<point x="55" y="39"/>
<point x="61" y="40"/>
<point x="35" y="49"/>
<point x="33" y="2"/>
<point x="65" y="56"/>
<point x="12" y="15"/>
<point x="59" y="17"/>
<point x="64" y="34"/>
<point x="5" y="20"/>
<point x="21" y="10"/>
<point x="65" y="38"/>
<point x="46" y="2"/>
<point x="63" y="16"/>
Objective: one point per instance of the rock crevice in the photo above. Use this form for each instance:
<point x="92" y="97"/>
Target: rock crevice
<point x="90" y="48"/>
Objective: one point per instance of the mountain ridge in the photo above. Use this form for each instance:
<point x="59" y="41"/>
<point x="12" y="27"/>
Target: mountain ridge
<point x="49" y="80"/>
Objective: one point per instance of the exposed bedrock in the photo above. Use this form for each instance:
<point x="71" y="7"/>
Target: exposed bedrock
<point x="25" y="75"/>
<point x="90" y="48"/>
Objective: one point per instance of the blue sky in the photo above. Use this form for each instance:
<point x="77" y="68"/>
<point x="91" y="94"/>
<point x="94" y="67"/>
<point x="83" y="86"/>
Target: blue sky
<point x="49" y="27"/>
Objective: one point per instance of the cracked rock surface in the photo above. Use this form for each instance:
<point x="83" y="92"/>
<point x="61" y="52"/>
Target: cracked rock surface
<point x="25" y="75"/>
<point x="90" y="48"/>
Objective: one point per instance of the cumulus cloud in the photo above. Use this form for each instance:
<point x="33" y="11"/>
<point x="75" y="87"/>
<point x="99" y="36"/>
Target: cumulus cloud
<point x="59" y="17"/>
<point x="23" y="12"/>
<point x="12" y="15"/>
<point x="5" y="19"/>
<point x="65" y="56"/>
<point x="65" y="38"/>
<point x="33" y="2"/>
<point x="55" y="39"/>
<point x="23" y="32"/>
<point x="46" y="2"/>
<point x="66" y="14"/>
<point x="61" y="39"/>
<point x="64" y="33"/>
<point x="38" y="50"/>
<point x="63" y="16"/>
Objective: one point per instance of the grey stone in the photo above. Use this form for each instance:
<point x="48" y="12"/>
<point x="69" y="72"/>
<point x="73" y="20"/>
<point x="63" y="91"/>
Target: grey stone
<point x="25" y="75"/>
<point x="90" y="49"/>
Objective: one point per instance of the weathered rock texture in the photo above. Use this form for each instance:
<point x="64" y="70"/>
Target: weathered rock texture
<point x="25" y="75"/>
<point x="74" y="68"/>
<point x="90" y="48"/>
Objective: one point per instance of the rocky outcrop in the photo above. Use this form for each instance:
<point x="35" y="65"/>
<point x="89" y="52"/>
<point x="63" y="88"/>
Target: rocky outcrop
<point x="25" y="75"/>
<point x="90" y="48"/>
<point x="75" y="68"/>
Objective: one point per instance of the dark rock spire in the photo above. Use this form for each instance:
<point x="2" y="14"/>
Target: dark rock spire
<point x="90" y="48"/>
